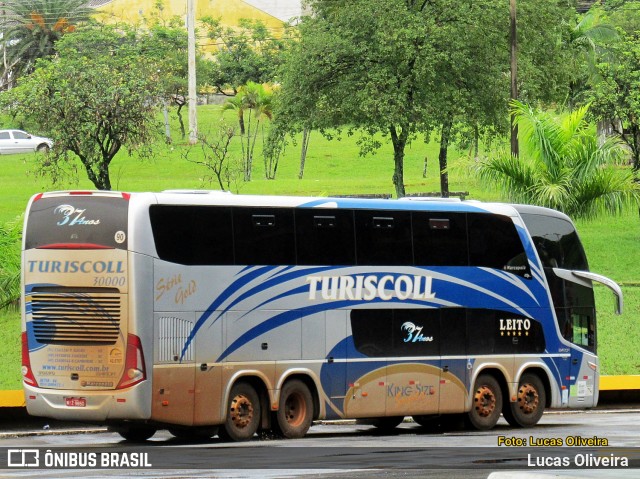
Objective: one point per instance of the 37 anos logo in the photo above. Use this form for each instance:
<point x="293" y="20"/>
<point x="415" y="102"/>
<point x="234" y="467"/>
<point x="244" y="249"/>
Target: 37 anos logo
<point x="413" y="333"/>
<point x="72" y="216"/>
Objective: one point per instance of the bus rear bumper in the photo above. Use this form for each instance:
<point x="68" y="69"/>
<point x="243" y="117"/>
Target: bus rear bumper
<point x="90" y="406"/>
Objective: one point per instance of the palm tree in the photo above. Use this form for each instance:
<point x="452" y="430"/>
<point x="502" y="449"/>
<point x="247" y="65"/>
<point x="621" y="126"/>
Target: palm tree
<point x="588" y="39"/>
<point x="236" y="103"/>
<point x="563" y="166"/>
<point x="256" y="100"/>
<point x="10" y="242"/>
<point x="30" y="29"/>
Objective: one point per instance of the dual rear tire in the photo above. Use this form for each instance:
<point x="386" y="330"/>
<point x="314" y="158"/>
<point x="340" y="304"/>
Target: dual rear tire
<point x="488" y="403"/>
<point x="244" y="412"/>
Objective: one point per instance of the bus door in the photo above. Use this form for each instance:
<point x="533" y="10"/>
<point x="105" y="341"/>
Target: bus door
<point x="174" y="368"/>
<point x="208" y="374"/>
<point x="577" y="324"/>
<point x="371" y="332"/>
<point x="455" y="366"/>
<point x="333" y="374"/>
<point x="413" y="376"/>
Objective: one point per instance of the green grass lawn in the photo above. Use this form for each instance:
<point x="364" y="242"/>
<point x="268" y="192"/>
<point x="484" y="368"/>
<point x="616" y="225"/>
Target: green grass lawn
<point x="333" y="168"/>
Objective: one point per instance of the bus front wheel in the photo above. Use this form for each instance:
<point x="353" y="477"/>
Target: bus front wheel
<point x="243" y="414"/>
<point x="295" y="410"/>
<point x="487" y="403"/>
<point x="530" y="402"/>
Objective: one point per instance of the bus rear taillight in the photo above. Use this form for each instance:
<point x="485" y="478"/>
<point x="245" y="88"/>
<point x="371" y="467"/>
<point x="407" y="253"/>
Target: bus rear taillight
<point x="134" y="369"/>
<point x="27" y="374"/>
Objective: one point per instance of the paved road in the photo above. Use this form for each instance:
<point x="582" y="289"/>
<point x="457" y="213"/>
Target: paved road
<point x="348" y="450"/>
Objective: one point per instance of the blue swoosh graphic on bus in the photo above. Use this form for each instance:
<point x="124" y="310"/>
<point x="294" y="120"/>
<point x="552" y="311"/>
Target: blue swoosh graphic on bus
<point x="277" y="278"/>
<point x="463" y="287"/>
<point x="227" y="293"/>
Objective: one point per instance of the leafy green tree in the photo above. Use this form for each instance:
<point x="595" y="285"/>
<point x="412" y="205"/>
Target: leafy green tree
<point x="247" y="53"/>
<point x="10" y="243"/>
<point x="30" y="30"/>
<point x="616" y="98"/>
<point x="96" y="96"/>
<point x="563" y="166"/>
<point x="588" y="39"/>
<point x="403" y="68"/>
<point x="164" y="42"/>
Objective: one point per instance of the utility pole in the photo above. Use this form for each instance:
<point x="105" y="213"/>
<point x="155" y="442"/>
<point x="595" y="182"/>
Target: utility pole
<point x="193" y="96"/>
<point x="515" y="150"/>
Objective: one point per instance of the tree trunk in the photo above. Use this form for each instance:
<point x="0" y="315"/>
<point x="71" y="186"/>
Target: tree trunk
<point x="306" y="133"/>
<point x="167" y="127"/>
<point x="399" y="144"/>
<point x="442" y="158"/>
<point x="515" y="148"/>
<point x="181" y="121"/>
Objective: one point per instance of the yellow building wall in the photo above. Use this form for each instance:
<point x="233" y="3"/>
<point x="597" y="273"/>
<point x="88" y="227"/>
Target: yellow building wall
<point x="230" y="11"/>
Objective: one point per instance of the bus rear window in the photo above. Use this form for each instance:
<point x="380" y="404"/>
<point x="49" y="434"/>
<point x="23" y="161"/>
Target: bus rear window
<point x="77" y="221"/>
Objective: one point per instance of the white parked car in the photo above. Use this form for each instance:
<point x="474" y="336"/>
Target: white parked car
<point x="18" y="141"/>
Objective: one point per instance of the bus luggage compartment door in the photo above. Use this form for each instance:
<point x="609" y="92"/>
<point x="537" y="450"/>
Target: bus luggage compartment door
<point x="173" y="368"/>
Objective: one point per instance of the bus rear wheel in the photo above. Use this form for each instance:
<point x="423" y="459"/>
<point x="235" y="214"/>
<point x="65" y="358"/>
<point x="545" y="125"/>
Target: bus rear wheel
<point x="243" y="414"/>
<point x="530" y="402"/>
<point x="135" y="432"/>
<point x="295" y="410"/>
<point x="487" y="403"/>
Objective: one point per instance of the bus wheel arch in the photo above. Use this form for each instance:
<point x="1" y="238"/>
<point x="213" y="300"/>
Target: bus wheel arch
<point x="486" y="400"/>
<point x="244" y="406"/>
<point x="531" y="399"/>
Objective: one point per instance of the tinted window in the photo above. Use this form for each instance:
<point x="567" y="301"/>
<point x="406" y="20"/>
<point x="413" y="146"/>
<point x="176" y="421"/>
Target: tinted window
<point x="264" y="236"/>
<point x="194" y="235"/>
<point x="325" y="237"/>
<point x="4" y="135"/>
<point x="20" y="135"/>
<point x="498" y="332"/>
<point x="453" y="331"/>
<point x="396" y="332"/>
<point x="494" y="243"/>
<point x="449" y="332"/>
<point x="371" y="329"/>
<point x="440" y="239"/>
<point x="556" y="241"/>
<point x="78" y="219"/>
<point x="383" y="238"/>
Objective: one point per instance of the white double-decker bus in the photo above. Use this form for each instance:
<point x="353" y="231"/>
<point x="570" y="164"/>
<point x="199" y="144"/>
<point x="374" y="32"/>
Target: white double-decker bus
<point x="209" y="313"/>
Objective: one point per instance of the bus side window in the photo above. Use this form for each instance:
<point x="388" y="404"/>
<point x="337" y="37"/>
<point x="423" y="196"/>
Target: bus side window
<point x="494" y="243"/>
<point x="383" y="238"/>
<point x="325" y="237"/>
<point x="440" y="239"/>
<point x="193" y="235"/>
<point x="263" y="236"/>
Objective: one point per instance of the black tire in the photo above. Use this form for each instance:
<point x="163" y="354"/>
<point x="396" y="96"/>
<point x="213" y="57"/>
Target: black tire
<point x="529" y="406"/>
<point x="386" y="424"/>
<point x="295" y="410"/>
<point x="426" y="421"/>
<point x="243" y="414"/>
<point x="44" y="148"/>
<point x="135" y="432"/>
<point x="193" y="433"/>
<point x="487" y="403"/>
